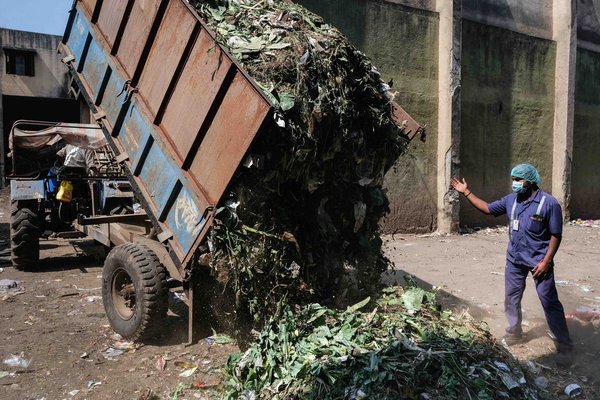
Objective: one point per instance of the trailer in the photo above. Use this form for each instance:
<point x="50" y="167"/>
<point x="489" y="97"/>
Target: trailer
<point x="179" y="114"/>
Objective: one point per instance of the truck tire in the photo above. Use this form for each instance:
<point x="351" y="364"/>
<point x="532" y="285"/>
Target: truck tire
<point x="134" y="291"/>
<point x="24" y="233"/>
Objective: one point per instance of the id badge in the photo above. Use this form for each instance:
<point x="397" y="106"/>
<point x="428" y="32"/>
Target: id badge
<point x="515" y="225"/>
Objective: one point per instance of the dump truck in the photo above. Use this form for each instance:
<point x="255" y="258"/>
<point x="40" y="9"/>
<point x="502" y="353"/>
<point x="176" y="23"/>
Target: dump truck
<point x="179" y="114"/>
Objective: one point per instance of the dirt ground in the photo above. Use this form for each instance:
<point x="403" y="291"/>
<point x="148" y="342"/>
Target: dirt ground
<point x="55" y="318"/>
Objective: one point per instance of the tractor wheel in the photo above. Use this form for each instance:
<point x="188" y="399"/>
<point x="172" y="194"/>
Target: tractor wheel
<point x="24" y="233"/>
<point x="134" y="291"/>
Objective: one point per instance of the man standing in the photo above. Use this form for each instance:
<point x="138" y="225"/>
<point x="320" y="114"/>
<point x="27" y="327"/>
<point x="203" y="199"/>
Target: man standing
<point x="535" y="232"/>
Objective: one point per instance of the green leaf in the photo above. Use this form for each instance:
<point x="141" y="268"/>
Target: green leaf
<point x="358" y="305"/>
<point x="286" y="101"/>
<point x="221" y="339"/>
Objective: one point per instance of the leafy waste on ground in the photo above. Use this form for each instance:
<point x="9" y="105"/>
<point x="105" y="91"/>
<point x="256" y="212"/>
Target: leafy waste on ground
<point x="399" y="346"/>
<point x="305" y="205"/>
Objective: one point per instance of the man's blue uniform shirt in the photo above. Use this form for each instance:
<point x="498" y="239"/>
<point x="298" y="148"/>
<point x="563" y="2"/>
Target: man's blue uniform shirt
<point x="528" y="245"/>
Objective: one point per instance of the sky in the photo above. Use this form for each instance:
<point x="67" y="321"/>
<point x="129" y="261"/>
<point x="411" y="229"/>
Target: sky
<point x="43" y="16"/>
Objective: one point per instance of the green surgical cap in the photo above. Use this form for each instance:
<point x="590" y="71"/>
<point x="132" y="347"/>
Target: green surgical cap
<point x="527" y="172"/>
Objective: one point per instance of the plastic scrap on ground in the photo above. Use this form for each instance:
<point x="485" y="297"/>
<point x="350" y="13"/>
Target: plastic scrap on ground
<point x="587" y="223"/>
<point x="16" y="361"/>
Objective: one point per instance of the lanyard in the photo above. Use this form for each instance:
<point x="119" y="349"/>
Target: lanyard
<point x="514" y="226"/>
<point x="537" y="212"/>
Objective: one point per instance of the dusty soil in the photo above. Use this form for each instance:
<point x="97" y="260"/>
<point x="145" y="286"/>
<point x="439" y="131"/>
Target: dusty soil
<point x="56" y="320"/>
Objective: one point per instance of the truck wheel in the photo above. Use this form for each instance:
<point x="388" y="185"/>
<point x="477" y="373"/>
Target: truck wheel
<point x="24" y="233"/>
<point x="134" y="291"/>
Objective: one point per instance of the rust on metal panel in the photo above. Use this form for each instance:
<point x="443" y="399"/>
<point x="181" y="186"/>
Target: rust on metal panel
<point x="405" y="121"/>
<point x="213" y="35"/>
<point x="234" y="127"/>
<point x="89" y="6"/>
<point x="196" y="90"/>
<point x="135" y="34"/>
<point x="171" y="40"/>
<point x="110" y="18"/>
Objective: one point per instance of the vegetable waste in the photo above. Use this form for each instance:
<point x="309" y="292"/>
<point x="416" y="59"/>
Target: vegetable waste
<point x="304" y="209"/>
<point x="400" y="346"/>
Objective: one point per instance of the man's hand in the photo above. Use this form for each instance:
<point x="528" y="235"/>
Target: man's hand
<point x="459" y="186"/>
<point x="541" y="269"/>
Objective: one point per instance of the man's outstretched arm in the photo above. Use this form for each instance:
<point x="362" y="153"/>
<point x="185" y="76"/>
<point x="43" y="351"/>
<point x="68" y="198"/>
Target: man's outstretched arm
<point x="463" y="188"/>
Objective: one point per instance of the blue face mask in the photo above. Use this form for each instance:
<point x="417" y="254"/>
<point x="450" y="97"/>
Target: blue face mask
<point x="518" y="187"/>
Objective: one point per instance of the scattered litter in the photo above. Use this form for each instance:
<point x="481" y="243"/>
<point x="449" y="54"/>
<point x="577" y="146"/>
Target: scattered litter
<point x="84" y="355"/>
<point x="40" y="296"/>
<point x="218" y="339"/>
<point x="68" y="292"/>
<point x="161" y="363"/>
<point x="91" y="299"/>
<point x="586" y="313"/>
<point x="16" y="361"/>
<point x="188" y="372"/>
<point x="125" y="345"/>
<point x="184" y="364"/>
<point x="1" y="270"/>
<point x="586" y="289"/>
<point x="588" y="223"/>
<point x="6" y="284"/>
<point x="74" y="392"/>
<point x="501" y="366"/>
<point x="110" y="353"/>
<point x="203" y="385"/>
<point x="542" y="382"/>
<point x="496" y="273"/>
<point x="509" y="381"/>
<point x="91" y="384"/>
<point x="573" y="390"/>
<point x="4" y="374"/>
<point x="562" y="283"/>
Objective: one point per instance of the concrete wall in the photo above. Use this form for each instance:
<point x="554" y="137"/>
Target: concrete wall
<point x="402" y="43"/>
<point x="530" y="17"/>
<point x="507" y="111"/>
<point x="50" y="74"/>
<point x="585" y="184"/>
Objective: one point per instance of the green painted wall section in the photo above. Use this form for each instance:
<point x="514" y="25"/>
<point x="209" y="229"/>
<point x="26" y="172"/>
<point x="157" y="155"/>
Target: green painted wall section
<point x="507" y="112"/>
<point x="402" y="42"/>
<point x="585" y="176"/>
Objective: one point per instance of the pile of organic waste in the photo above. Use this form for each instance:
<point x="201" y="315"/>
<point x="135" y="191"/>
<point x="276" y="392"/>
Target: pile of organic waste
<point x="400" y="346"/>
<point x="305" y="206"/>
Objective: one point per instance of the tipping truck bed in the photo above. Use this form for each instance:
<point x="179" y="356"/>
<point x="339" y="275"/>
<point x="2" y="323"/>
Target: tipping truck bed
<point x="180" y="114"/>
<point x="177" y="109"/>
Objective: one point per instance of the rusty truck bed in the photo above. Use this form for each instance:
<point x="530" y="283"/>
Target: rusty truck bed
<point x="177" y="108"/>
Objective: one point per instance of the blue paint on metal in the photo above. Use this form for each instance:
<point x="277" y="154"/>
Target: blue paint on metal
<point x="185" y="220"/>
<point x="134" y="135"/>
<point x="95" y="66"/>
<point x="114" y="97"/>
<point x="159" y="175"/>
<point x="78" y="34"/>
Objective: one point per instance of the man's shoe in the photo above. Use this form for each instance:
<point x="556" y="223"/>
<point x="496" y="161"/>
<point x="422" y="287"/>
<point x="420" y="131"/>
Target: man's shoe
<point x="510" y="339"/>
<point x="564" y="358"/>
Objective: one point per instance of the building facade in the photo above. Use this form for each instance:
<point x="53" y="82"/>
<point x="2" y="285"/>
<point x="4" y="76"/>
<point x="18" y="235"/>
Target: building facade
<point x="33" y="84"/>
